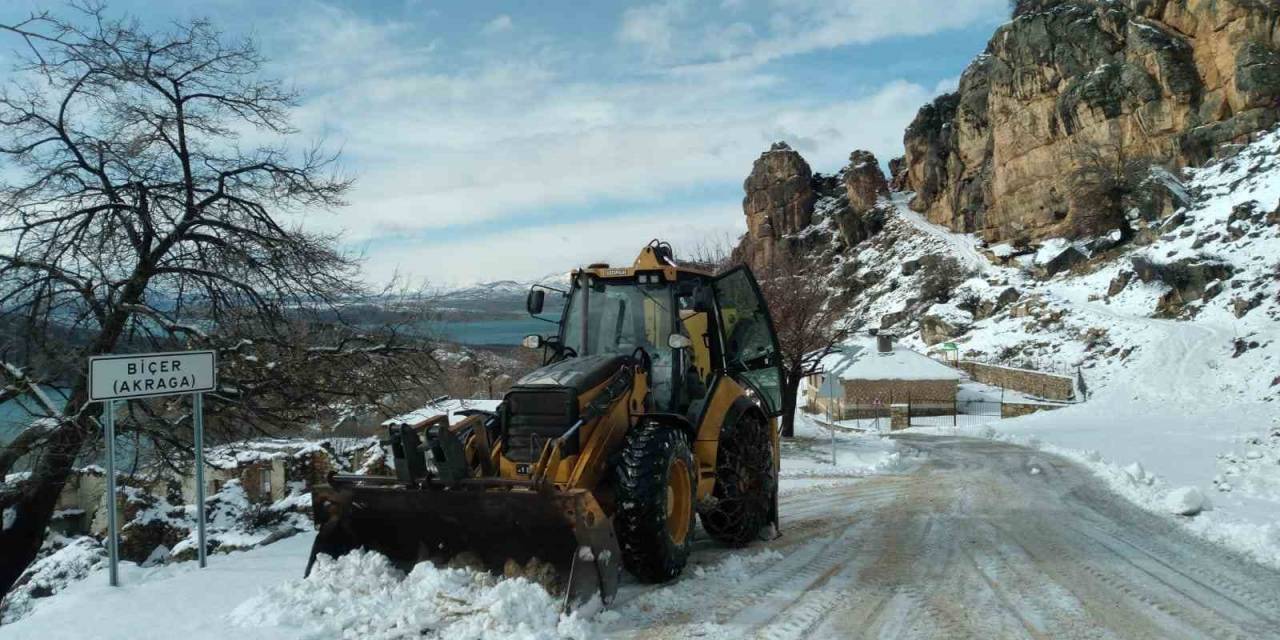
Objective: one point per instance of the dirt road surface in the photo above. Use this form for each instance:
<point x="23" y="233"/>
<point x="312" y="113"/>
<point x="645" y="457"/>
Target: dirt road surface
<point x="978" y="539"/>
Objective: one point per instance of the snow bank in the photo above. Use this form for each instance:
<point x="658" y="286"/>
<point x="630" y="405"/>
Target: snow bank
<point x="806" y="458"/>
<point x="67" y="560"/>
<point x="362" y="595"/>
<point x="1185" y="501"/>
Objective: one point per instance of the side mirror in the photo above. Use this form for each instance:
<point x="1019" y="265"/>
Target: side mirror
<point x="532" y="342"/>
<point x="677" y="341"/>
<point x="534" y="302"/>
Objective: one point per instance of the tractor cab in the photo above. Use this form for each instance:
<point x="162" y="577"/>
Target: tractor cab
<point x="686" y="326"/>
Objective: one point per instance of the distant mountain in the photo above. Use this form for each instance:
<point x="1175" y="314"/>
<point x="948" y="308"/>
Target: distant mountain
<point x="493" y="300"/>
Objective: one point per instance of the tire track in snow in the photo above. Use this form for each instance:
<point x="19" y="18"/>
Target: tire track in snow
<point x="972" y="545"/>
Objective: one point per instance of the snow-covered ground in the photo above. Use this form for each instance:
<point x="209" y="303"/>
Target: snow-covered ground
<point x="260" y="592"/>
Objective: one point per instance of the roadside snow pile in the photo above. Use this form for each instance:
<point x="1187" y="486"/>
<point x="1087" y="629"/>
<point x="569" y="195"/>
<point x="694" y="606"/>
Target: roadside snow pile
<point x="807" y="456"/>
<point x="156" y="531"/>
<point x="1247" y="524"/>
<point x="64" y="561"/>
<point x="1185" y="501"/>
<point x="361" y="595"/>
<point x="1255" y="471"/>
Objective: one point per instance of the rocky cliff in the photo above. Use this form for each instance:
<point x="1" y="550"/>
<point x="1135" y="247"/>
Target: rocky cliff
<point x="791" y="209"/>
<point x="779" y="201"/>
<point x="1067" y="81"/>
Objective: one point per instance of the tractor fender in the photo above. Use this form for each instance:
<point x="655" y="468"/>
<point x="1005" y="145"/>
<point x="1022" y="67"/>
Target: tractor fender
<point x="674" y="421"/>
<point x="741" y="406"/>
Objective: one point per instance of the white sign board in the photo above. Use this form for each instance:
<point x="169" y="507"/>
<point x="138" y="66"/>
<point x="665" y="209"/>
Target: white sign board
<point x="830" y="387"/>
<point x="145" y="375"/>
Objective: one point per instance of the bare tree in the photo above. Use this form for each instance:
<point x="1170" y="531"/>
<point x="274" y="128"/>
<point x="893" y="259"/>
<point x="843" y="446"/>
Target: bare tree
<point x="810" y="317"/>
<point x="132" y="216"/>
<point x="1104" y="186"/>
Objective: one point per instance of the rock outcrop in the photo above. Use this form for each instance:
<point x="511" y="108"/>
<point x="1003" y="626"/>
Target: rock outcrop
<point x="785" y="201"/>
<point x="1166" y="81"/>
<point x="779" y="201"/>
<point x="865" y="188"/>
<point x="943" y="322"/>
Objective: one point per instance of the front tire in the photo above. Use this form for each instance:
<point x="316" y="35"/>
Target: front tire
<point x="655" y="482"/>
<point x="746" y="485"/>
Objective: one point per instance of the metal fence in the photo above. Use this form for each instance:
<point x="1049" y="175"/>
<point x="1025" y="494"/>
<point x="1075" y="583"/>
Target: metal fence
<point x="877" y="416"/>
<point x="960" y="414"/>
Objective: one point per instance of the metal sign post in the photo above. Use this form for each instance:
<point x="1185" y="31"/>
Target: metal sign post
<point x="197" y="416"/>
<point x="833" y="391"/>
<point x="113" y="548"/>
<point x="149" y="375"/>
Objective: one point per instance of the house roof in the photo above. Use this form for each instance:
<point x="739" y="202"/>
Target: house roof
<point x="864" y="362"/>
<point x="451" y="406"/>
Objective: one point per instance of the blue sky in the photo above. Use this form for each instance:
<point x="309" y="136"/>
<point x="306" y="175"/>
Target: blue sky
<point x="497" y="140"/>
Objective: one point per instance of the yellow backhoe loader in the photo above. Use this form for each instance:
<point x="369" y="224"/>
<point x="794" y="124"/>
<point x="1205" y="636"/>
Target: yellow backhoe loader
<point x="657" y="399"/>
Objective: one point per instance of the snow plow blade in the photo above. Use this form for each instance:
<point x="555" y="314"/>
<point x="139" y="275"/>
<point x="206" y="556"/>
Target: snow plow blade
<point x="509" y="527"/>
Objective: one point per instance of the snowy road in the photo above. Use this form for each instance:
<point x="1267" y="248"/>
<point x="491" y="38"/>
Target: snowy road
<point x="979" y="539"/>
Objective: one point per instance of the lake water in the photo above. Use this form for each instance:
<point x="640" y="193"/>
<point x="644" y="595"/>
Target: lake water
<point x="491" y="332"/>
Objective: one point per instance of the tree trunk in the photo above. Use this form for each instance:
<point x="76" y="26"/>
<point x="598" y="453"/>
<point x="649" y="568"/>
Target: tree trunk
<point x="50" y="471"/>
<point x="790" y="393"/>
<point x="33" y="508"/>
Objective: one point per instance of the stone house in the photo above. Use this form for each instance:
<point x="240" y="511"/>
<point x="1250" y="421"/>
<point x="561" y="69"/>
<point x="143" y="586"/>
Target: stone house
<point x="871" y="378"/>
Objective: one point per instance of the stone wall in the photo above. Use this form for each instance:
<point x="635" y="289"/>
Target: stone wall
<point x="871" y="398"/>
<point x="1042" y="385"/>
<point x="1016" y="409"/>
<point x="915" y="392"/>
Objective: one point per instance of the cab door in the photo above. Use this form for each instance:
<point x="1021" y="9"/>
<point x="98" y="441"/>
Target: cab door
<point x="749" y="343"/>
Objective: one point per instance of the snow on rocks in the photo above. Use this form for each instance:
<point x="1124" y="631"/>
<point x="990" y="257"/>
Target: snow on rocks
<point x="944" y="321"/>
<point x="66" y="560"/>
<point x="361" y="595"/>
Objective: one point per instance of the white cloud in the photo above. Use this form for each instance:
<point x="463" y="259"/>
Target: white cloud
<point x="441" y="138"/>
<point x="652" y="26"/>
<point x="693" y="42"/>
<point x="533" y="252"/>
<point x="424" y="165"/>
<point x="499" y="24"/>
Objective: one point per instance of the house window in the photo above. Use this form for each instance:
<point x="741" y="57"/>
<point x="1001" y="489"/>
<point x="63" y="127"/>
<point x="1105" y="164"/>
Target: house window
<point x="265" y="475"/>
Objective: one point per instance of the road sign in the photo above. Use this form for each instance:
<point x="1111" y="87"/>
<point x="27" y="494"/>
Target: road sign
<point x="144" y="375"/>
<point x="830" y="387"/>
<point x="147" y="375"/>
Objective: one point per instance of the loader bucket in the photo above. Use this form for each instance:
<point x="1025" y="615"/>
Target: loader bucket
<point x="500" y="528"/>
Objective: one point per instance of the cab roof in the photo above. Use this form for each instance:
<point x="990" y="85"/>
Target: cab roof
<point x="654" y="257"/>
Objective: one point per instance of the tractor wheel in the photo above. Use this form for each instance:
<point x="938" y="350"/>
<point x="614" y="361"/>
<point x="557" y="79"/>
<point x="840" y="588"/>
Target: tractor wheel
<point x="334" y="539"/>
<point x="655" y="482"/>
<point x="745" y="483"/>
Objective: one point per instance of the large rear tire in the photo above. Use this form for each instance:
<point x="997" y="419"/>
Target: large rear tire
<point x="655" y="482"/>
<point x="746" y="485"/>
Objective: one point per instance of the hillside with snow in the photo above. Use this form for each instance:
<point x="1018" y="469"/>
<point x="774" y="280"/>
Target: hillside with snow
<point x="1173" y="335"/>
